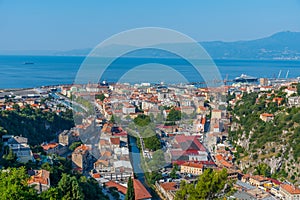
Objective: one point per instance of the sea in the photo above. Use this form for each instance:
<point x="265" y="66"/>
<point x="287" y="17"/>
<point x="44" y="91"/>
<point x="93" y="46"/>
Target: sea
<point x="36" y="71"/>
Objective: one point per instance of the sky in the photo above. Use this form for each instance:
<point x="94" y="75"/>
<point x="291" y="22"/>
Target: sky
<point x="76" y="24"/>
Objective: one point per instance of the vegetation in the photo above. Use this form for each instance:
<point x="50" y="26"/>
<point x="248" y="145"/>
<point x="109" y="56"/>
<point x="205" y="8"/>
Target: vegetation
<point x="151" y="140"/>
<point x="210" y="185"/>
<point x="13" y="185"/>
<point x="130" y="190"/>
<point x="101" y="96"/>
<point x="174" y="170"/>
<point x="263" y="169"/>
<point x="173" y="116"/>
<point x="142" y="120"/>
<point x="112" y="119"/>
<point x="85" y="103"/>
<point x="158" y="160"/>
<point x="74" y="145"/>
<point x="278" y="138"/>
<point x="36" y="125"/>
<point x="68" y="188"/>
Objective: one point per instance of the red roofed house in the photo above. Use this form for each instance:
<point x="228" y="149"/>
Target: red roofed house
<point x="266" y="117"/>
<point x="188" y="148"/>
<point x="50" y="148"/>
<point x="167" y="189"/>
<point x="40" y="179"/>
<point x="115" y="142"/>
<point x="289" y="192"/>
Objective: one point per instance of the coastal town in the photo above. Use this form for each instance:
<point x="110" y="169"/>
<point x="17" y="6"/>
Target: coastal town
<point x="128" y="131"/>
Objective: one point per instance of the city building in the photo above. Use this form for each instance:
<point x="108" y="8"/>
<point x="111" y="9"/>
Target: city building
<point x="40" y="179"/>
<point x="289" y="192"/>
<point x="19" y="146"/>
<point x="80" y="157"/>
<point x="191" y="168"/>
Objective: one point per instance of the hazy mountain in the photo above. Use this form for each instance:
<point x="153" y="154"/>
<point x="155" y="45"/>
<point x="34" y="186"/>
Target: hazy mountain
<point x="282" y="45"/>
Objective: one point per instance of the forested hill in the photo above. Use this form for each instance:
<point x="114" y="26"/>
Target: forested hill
<point x="36" y="125"/>
<point x="275" y="144"/>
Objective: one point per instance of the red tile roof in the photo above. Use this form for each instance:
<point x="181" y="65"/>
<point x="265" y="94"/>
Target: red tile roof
<point x="40" y="177"/>
<point x="290" y="189"/>
<point x="140" y="191"/>
<point x="267" y="115"/>
<point x="169" y="186"/>
<point x="192" y="164"/>
<point x="115" y="141"/>
<point x="52" y="145"/>
<point x="119" y="187"/>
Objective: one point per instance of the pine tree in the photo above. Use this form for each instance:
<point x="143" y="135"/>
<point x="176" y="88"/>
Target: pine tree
<point x="130" y="190"/>
<point x="112" y="119"/>
<point x="69" y="188"/>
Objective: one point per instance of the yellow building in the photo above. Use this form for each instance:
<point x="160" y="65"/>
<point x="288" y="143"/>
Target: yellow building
<point x="192" y="168"/>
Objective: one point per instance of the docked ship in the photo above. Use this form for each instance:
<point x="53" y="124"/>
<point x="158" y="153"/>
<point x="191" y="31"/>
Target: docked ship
<point x="245" y="79"/>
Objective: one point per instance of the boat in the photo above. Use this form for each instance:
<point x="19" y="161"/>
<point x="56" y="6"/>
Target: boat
<point x="245" y="79"/>
<point x="28" y="63"/>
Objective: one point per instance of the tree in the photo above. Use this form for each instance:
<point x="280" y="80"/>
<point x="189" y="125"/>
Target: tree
<point x="13" y="185"/>
<point x="69" y="189"/>
<point x="142" y="120"/>
<point x="263" y="169"/>
<point x="174" y="170"/>
<point x="74" y="145"/>
<point x="9" y="159"/>
<point x="112" y="119"/>
<point x="174" y="115"/>
<point x="182" y="193"/>
<point x="90" y="189"/>
<point x="130" y="190"/>
<point x="50" y="194"/>
<point x="101" y="96"/>
<point x="151" y="140"/>
<point x="211" y="185"/>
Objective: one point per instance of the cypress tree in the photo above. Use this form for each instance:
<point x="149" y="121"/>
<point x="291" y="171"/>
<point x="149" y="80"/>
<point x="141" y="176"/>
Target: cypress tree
<point x="130" y="190"/>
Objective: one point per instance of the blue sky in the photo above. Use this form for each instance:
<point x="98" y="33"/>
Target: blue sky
<point x="73" y="24"/>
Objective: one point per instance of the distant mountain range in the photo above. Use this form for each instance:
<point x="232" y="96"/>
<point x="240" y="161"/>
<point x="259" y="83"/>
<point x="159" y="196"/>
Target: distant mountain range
<point x="279" y="46"/>
<point x="282" y="45"/>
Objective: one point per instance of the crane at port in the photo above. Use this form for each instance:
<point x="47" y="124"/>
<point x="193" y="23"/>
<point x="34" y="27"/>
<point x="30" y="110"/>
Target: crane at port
<point x="279" y="74"/>
<point x="287" y="74"/>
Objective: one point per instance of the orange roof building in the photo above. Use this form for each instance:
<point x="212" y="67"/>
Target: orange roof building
<point x="40" y="180"/>
<point x="289" y="191"/>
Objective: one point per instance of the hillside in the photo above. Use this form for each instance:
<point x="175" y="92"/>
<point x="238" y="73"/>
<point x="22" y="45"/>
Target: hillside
<point x="275" y="143"/>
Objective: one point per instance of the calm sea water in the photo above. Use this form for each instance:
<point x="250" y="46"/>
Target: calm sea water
<point x="53" y="70"/>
